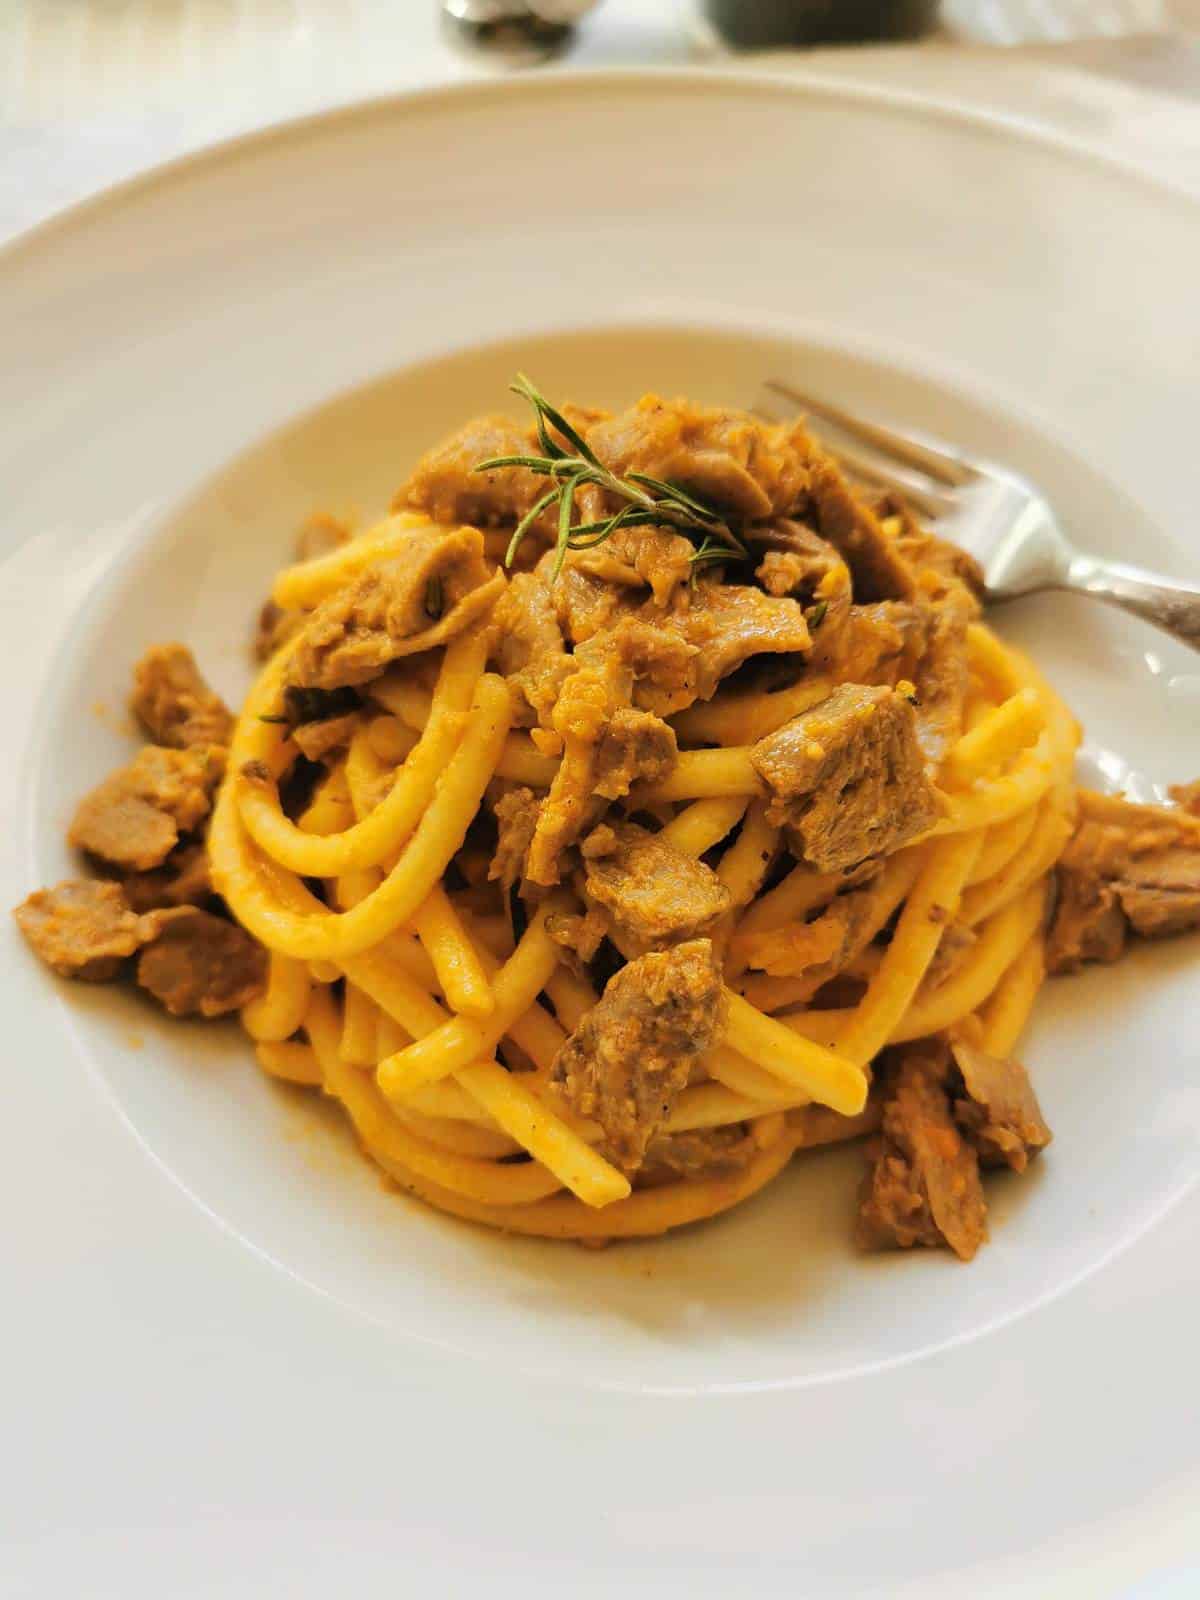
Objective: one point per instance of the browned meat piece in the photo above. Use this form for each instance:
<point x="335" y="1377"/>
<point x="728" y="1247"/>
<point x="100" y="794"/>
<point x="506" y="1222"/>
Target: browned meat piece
<point x="584" y="604"/>
<point x="956" y="941"/>
<point x="590" y="699"/>
<point x="728" y="623"/>
<point x="273" y="627"/>
<point x="930" y="557"/>
<point x="817" y="951"/>
<point x="629" y="1058"/>
<point x="421" y="598"/>
<point x="878" y="569"/>
<point x="699" y="1154"/>
<point x="582" y="936"/>
<point x="445" y="484"/>
<point x="1127" y="867"/>
<point x="1161" y="894"/>
<point x="633" y="558"/>
<point x="728" y="459"/>
<point x="135" y="817"/>
<point x="654" y="894"/>
<point x="316" y="740"/>
<point x="199" y="964"/>
<point x="941" y="676"/>
<point x="661" y="663"/>
<point x="636" y="747"/>
<point x="922" y="1182"/>
<point x="182" y="880"/>
<point x="1000" y="1113"/>
<point x="607" y="747"/>
<point x="83" y="928"/>
<point x="173" y="702"/>
<point x="875" y="644"/>
<point x="797" y="561"/>
<point x="847" y="777"/>
<point x="516" y="816"/>
<point x="529" y="649"/>
<point x="1187" y="795"/>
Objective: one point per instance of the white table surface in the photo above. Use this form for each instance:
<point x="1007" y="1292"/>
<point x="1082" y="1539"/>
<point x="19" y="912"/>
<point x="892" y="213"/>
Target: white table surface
<point x="92" y="91"/>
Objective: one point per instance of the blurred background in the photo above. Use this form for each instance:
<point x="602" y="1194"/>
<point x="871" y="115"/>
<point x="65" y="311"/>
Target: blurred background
<point x="91" y="90"/>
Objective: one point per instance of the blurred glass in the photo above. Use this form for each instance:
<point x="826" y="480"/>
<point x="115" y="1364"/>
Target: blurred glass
<point x="761" y="24"/>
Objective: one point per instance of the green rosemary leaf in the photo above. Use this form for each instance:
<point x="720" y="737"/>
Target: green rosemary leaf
<point x="629" y="516"/>
<point x="566" y="505"/>
<point x="547" y="413"/>
<point x="672" y="492"/>
<point x="543" y="464"/>
<point x="816" y="616"/>
<point x="526" y="522"/>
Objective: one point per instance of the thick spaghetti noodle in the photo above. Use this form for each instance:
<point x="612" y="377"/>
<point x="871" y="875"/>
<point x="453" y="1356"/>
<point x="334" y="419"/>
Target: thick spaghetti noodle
<point x="595" y="890"/>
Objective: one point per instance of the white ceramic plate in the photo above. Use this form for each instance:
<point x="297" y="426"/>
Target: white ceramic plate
<point x="244" y="1368"/>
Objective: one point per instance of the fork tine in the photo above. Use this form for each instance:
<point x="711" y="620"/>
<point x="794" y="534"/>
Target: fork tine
<point x="928" y="501"/>
<point x="940" y="464"/>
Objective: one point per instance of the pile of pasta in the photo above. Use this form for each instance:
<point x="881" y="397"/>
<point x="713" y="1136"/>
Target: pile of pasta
<point x="407" y="1000"/>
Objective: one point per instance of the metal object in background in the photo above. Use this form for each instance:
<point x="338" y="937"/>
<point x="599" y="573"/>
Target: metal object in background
<point x="767" y="24"/>
<point x="511" y="32"/>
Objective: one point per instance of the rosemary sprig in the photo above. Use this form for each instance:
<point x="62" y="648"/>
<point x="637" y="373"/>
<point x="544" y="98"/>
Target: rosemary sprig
<point x="649" y="502"/>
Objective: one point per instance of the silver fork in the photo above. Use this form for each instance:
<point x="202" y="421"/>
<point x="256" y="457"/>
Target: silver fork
<point x="999" y="517"/>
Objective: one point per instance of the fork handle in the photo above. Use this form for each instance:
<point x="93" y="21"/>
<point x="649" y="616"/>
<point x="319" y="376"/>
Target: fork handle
<point x="1173" y="607"/>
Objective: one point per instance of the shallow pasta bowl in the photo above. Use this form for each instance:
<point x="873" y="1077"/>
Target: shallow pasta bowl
<point x="299" y="1363"/>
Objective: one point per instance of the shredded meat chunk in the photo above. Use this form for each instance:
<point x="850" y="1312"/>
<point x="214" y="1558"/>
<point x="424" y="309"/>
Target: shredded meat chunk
<point x="445" y="484"/>
<point x="629" y="1058"/>
<point x="607" y="748"/>
<point x="1187" y="795"/>
<point x="530" y="651"/>
<point x="436" y="588"/>
<point x="922" y="1184"/>
<point x="680" y="655"/>
<point x="728" y="623"/>
<point x="516" y="817"/>
<point x="953" y="947"/>
<point x="636" y="747"/>
<point x="1127" y="868"/>
<point x="580" y="936"/>
<point x="182" y="880"/>
<point x="640" y="557"/>
<point x="135" y="817"/>
<point x="274" y="627"/>
<point x="999" y="1112"/>
<point x="877" y="644"/>
<point x="941" y="676"/>
<point x="83" y="928"/>
<point x="932" y="557"/>
<point x="877" y="567"/>
<point x="316" y="740"/>
<point x="199" y="964"/>
<point x="817" y="951"/>
<point x="173" y="702"/>
<point x="728" y="459"/>
<point x="699" y="1154"/>
<point x="798" y="562"/>
<point x="653" y="893"/>
<point x="847" y="777"/>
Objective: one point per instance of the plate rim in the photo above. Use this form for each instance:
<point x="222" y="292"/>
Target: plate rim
<point x="798" y="85"/>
